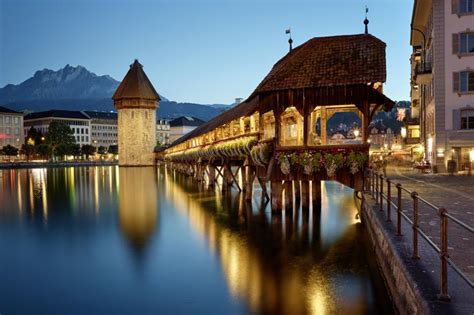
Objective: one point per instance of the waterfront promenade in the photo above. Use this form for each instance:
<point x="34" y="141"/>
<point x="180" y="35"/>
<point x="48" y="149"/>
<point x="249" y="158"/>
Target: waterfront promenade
<point x="456" y="195"/>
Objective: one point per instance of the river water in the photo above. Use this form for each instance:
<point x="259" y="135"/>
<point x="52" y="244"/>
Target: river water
<point x="109" y="240"/>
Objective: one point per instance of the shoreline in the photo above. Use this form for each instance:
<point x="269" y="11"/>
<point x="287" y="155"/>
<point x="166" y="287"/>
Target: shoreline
<point x="21" y="165"/>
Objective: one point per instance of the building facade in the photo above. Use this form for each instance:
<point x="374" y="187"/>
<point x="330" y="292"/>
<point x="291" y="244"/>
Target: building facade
<point x="11" y="125"/>
<point x="183" y="125"/>
<point x="442" y="89"/>
<point x="136" y="101"/>
<point x="162" y="132"/>
<point x="103" y="128"/>
<point x="78" y="121"/>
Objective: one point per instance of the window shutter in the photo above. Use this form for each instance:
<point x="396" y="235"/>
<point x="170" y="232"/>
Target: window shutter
<point x="456" y="119"/>
<point x="455" y="82"/>
<point x="455" y="6"/>
<point x="455" y="44"/>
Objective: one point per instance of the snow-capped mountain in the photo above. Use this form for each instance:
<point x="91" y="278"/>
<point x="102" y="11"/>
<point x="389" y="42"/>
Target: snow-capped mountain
<point x="66" y="83"/>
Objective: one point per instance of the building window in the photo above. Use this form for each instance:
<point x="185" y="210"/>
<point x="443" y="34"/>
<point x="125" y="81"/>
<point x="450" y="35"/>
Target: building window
<point x="466" y="43"/>
<point x="17" y="120"/>
<point x="467" y="81"/>
<point x="8" y="131"/>
<point x="467" y="119"/>
<point x="7" y="119"/>
<point x="466" y="6"/>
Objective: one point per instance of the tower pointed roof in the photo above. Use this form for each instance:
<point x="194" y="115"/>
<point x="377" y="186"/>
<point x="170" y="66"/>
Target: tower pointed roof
<point x="136" y="84"/>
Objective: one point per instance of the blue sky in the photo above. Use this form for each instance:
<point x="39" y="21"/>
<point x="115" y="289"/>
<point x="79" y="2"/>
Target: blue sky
<point x="204" y="51"/>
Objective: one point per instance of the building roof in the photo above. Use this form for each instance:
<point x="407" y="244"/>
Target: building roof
<point x="101" y="115"/>
<point x="186" y="121"/>
<point x="8" y="110"/>
<point x="57" y="113"/>
<point x="136" y="84"/>
<point x="329" y="61"/>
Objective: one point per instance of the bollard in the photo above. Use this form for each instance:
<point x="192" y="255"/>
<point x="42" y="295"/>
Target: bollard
<point x="399" y="210"/>
<point x="381" y="192"/>
<point x="414" y="195"/>
<point x="444" y="255"/>
<point x="389" y="199"/>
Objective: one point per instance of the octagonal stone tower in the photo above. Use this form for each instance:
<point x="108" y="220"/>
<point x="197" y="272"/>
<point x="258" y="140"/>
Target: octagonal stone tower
<point x="136" y="101"/>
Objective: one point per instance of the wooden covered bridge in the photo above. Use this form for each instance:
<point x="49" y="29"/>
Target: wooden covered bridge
<point x="280" y="134"/>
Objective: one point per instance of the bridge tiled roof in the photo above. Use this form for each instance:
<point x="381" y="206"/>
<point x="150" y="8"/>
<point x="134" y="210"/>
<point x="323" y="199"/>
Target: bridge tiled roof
<point x="329" y="61"/>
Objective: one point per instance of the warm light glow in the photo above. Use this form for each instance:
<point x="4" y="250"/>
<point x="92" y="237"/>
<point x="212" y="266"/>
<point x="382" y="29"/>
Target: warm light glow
<point x="403" y="132"/>
<point x="356" y="133"/>
<point x="471" y="155"/>
<point x="430" y="144"/>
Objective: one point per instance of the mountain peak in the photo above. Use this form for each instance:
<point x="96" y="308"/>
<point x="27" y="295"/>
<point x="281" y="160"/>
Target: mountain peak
<point x="67" y="83"/>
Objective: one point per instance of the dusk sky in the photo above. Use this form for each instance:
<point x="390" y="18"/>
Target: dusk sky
<point x="198" y="51"/>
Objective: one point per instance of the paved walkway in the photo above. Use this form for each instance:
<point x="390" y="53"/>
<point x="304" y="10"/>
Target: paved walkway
<point x="456" y="194"/>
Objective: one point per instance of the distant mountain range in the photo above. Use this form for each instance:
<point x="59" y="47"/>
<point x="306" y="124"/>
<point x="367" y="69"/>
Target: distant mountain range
<point x="76" y="88"/>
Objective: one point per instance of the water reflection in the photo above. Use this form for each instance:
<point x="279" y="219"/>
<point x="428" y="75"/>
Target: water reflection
<point x="299" y="262"/>
<point x="206" y="252"/>
<point x="138" y="212"/>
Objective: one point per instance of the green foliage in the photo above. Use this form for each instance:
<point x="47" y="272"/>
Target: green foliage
<point x="88" y="150"/>
<point x="102" y="150"/>
<point x="35" y="135"/>
<point x="113" y="149"/>
<point x="9" y="150"/>
<point x="74" y="150"/>
<point x="60" y="133"/>
<point x="294" y="158"/>
<point x="28" y="150"/>
<point x="44" y="150"/>
<point x="317" y="156"/>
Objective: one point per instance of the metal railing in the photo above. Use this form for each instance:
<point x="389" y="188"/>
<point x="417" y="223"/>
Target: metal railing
<point x="423" y="68"/>
<point x="374" y="186"/>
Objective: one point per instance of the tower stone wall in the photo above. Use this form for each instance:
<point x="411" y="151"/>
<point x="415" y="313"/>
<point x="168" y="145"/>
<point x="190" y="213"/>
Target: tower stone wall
<point x="136" y="136"/>
<point x="136" y="102"/>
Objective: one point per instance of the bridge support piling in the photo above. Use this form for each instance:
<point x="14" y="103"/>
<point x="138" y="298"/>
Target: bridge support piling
<point x="305" y="194"/>
<point x="288" y="187"/>
<point x="316" y="194"/>
<point x="277" y="190"/>
<point x="211" y="175"/>
<point x="249" y="183"/>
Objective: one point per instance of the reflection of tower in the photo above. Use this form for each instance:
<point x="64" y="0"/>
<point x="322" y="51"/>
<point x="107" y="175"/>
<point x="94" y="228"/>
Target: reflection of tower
<point x="138" y="213"/>
<point x="136" y="101"/>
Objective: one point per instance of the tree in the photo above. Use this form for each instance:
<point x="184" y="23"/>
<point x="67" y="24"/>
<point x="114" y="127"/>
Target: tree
<point x="60" y="137"/>
<point x="28" y="150"/>
<point x="44" y="150"/>
<point x="34" y="136"/>
<point x="102" y="150"/>
<point x="113" y="149"/>
<point x="74" y="150"/>
<point x="88" y="150"/>
<point x="9" y="150"/>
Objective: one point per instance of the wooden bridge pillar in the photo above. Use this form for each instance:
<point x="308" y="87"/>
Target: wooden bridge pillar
<point x="249" y="183"/>
<point x="277" y="190"/>
<point x="288" y="187"/>
<point x="227" y="180"/>
<point x="211" y="174"/>
<point x="316" y="193"/>
<point x="305" y="194"/>
<point x="243" y="172"/>
<point x="297" y="191"/>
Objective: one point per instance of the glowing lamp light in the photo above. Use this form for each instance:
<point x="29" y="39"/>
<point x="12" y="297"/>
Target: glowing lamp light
<point x="356" y="133"/>
<point x="471" y="155"/>
<point x="430" y="144"/>
<point x="403" y="132"/>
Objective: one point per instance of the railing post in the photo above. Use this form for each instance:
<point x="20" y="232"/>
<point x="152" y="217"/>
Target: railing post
<point x="381" y="192"/>
<point x="389" y="201"/>
<point x="399" y="209"/>
<point x="443" y="295"/>
<point x="374" y="184"/>
<point x="414" y="195"/>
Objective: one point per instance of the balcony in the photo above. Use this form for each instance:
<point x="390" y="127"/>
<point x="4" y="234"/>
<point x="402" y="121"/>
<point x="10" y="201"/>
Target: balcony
<point x="423" y="73"/>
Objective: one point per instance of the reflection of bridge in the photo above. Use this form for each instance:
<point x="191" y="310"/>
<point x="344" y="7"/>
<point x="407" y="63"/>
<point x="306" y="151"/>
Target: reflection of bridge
<point x="286" y="264"/>
<point x="279" y="134"/>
